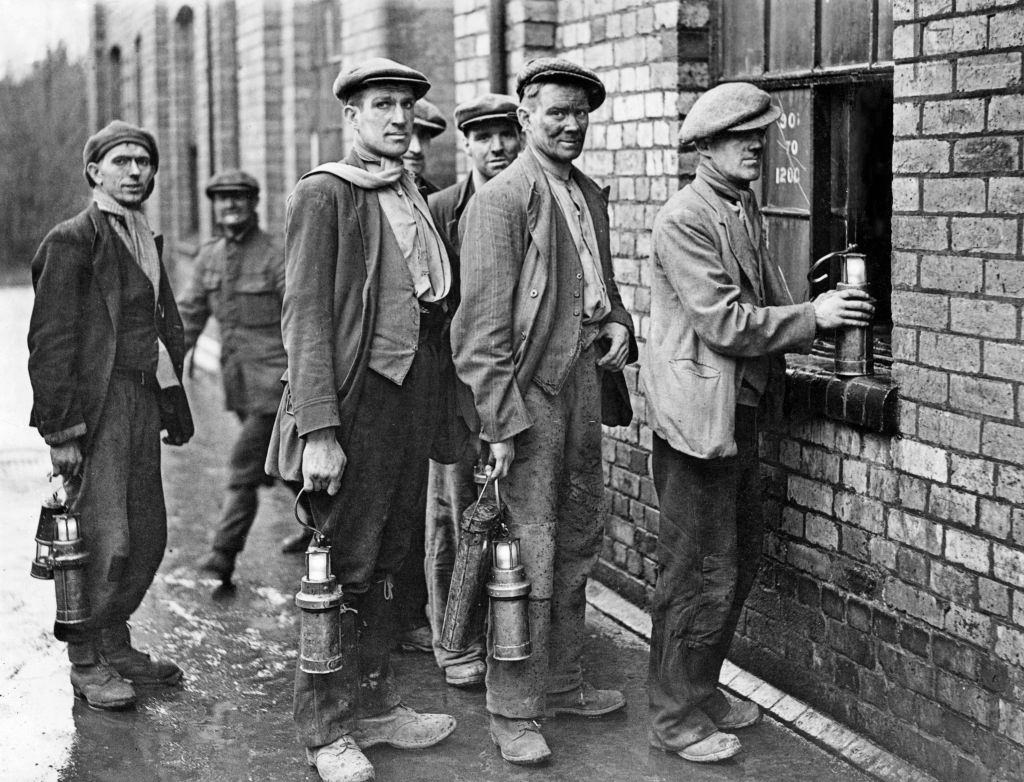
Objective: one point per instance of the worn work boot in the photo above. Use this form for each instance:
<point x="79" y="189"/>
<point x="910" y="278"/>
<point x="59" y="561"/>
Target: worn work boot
<point x="219" y="564"/>
<point x="139" y="668"/>
<point x="340" y="761"/>
<point x="741" y="714"/>
<point x="520" y="741"/>
<point x="468" y="674"/>
<point x="403" y="728"/>
<point x="297" y="543"/>
<point x="418" y="639"/>
<point x="101" y="686"/>
<point x="584" y="701"/>
<point x="710" y="749"/>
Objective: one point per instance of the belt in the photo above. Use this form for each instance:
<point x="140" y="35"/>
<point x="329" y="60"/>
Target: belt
<point x="138" y="376"/>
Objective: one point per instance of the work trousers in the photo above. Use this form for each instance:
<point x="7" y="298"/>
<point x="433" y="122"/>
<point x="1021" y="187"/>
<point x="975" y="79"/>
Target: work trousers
<point x="368" y="525"/>
<point x="554" y="492"/>
<point x="709" y="547"/>
<point x="450" y="490"/>
<point x="119" y="500"/>
<point x="245" y="476"/>
<point x="410" y="580"/>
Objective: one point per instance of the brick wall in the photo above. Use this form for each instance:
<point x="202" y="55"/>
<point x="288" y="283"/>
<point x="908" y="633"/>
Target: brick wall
<point x="893" y="590"/>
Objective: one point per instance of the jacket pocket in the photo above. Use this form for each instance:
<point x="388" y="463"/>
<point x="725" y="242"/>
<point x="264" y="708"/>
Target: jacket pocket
<point x="257" y="302"/>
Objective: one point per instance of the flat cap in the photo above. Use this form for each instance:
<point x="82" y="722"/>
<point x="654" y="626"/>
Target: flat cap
<point x="555" y="69"/>
<point x="728" y="108"/>
<point x="428" y="118"/>
<point x="378" y="70"/>
<point x="117" y="132"/>
<point x="233" y="180"/>
<point x="486" y="108"/>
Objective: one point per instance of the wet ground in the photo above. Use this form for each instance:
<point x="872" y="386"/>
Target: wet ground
<point x="232" y="718"/>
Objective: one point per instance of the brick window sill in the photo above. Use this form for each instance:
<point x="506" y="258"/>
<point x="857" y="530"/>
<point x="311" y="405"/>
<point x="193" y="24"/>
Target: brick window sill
<point x="867" y="403"/>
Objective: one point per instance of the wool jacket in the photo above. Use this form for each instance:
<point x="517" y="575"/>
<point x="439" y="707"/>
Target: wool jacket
<point x="447" y="207"/>
<point x="333" y="241"/>
<point x="513" y="237"/>
<point x="241" y="284"/>
<point x="72" y="336"/>
<point x="717" y="305"/>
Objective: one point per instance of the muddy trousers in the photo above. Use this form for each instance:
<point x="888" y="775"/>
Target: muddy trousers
<point x="709" y="546"/>
<point x="245" y="476"/>
<point x="450" y="490"/>
<point x="368" y="525"/>
<point x="554" y="493"/>
<point x="119" y="500"/>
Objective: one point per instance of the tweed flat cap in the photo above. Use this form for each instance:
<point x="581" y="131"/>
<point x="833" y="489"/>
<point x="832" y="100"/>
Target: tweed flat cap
<point x="428" y="118"/>
<point x="486" y="108"/>
<point x="379" y="70"/>
<point x="233" y="180"/>
<point x="555" y="69"/>
<point x="117" y="132"/>
<point x="728" y="108"/>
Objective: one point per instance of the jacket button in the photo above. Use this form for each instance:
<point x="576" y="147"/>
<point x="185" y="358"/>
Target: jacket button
<point x="523" y="334"/>
<point x="533" y="294"/>
<point x="575" y="312"/>
<point x="576" y="294"/>
<point x="579" y="275"/>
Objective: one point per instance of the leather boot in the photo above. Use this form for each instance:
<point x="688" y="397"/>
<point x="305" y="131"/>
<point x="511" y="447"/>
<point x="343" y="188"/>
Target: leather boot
<point x="137" y="667"/>
<point x="403" y="728"/>
<point x="520" y="741"/>
<point x="101" y="686"/>
<point x="219" y="564"/>
<point x="340" y="761"/>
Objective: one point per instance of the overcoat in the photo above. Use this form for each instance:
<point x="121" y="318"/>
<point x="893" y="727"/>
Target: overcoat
<point x="715" y="306"/>
<point x="332" y="281"/>
<point x="72" y="335"/>
<point x="513" y="237"/>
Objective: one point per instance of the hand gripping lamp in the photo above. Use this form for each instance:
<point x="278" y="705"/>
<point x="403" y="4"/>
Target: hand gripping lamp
<point x="854" y="354"/>
<point x="319" y="597"/>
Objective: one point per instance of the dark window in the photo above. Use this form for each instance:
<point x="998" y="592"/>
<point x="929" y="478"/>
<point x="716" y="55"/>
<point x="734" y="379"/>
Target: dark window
<point x="115" y="77"/>
<point x="184" y="97"/>
<point x="827" y="178"/>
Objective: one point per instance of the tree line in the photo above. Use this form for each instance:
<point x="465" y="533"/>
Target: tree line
<point x="44" y="122"/>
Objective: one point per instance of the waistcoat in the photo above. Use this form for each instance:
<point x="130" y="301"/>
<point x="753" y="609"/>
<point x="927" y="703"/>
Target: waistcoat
<point x="136" y="328"/>
<point x="397" y="327"/>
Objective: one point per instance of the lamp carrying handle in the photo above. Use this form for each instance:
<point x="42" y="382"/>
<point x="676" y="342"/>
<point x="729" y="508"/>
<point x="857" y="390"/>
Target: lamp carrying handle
<point x="816" y="266"/>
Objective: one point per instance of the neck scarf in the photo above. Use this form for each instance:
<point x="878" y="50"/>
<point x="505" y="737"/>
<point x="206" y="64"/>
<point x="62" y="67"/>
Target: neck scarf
<point x="408" y="216"/>
<point x="739" y="197"/>
<point x="132" y="228"/>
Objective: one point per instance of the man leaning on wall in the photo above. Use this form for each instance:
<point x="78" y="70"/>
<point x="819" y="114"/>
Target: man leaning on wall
<point x="721" y="320"/>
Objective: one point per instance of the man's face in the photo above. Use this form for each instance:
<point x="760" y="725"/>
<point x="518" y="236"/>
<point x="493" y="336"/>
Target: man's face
<point x="383" y="119"/>
<point x="737" y="155"/>
<point x="415" y="157"/>
<point x="124" y="174"/>
<point x="492" y="146"/>
<point x="555" y="121"/>
<point x="234" y="209"/>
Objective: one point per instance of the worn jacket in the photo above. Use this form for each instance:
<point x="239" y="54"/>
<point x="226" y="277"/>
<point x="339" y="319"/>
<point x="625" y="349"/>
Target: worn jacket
<point x="717" y="303"/>
<point x="241" y="283"/>
<point x="447" y="207"/>
<point x="514" y="235"/>
<point x="72" y="335"/>
<point x="332" y="280"/>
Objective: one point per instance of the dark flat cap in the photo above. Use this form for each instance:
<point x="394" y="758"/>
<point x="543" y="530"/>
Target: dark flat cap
<point x="486" y="108"/>
<point x="233" y="180"/>
<point x="118" y="132"/>
<point x="559" y="71"/>
<point x="378" y="70"/>
<point x="428" y="118"/>
<point x="728" y="108"/>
